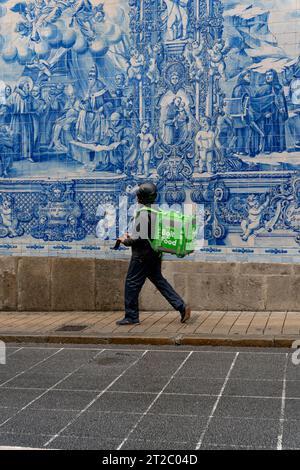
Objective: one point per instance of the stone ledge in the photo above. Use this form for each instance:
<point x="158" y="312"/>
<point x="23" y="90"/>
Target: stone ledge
<point x="65" y="284"/>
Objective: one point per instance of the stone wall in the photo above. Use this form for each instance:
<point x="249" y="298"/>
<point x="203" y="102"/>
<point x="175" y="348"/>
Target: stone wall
<point x="60" y="284"/>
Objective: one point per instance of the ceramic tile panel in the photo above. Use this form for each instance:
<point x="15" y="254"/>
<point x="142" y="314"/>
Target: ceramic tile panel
<point x="201" y="97"/>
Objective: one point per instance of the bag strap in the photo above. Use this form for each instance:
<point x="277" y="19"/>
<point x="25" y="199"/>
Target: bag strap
<point x="147" y="209"/>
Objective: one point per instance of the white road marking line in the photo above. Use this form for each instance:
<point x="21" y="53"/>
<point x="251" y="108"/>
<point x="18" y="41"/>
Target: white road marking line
<point x="134" y="348"/>
<point x="14" y="352"/>
<point x="73" y="420"/>
<point x="236" y="446"/>
<point x="217" y="402"/>
<point x="45" y="392"/>
<point x="153" y="402"/>
<point x="19" y="448"/>
<point x="30" y="368"/>
<point x="282" y="411"/>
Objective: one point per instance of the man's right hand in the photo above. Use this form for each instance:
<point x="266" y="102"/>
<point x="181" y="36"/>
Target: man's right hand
<point x="123" y="238"/>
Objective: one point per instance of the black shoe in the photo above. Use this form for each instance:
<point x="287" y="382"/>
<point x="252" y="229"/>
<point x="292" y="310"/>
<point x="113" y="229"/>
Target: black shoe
<point x="186" y="314"/>
<point x="126" y="321"/>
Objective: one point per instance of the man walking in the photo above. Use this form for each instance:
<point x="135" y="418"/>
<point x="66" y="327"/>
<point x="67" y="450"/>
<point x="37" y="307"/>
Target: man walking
<point x="146" y="263"/>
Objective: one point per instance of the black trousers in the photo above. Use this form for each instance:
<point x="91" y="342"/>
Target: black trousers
<point x="139" y="270"/>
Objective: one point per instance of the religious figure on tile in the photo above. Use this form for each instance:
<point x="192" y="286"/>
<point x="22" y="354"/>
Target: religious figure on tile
<point x="95" y="107"/>
<point x="176" y="19"/>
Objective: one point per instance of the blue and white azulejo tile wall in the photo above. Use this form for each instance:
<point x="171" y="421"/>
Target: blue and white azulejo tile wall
<point x="200" y="96"/>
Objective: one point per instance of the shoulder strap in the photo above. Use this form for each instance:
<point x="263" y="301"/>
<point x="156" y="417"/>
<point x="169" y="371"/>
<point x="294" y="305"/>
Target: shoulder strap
<point x="147" y="209"/>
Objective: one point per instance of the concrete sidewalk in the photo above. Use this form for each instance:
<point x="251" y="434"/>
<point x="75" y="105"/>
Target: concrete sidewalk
<point x="205" y="328"/>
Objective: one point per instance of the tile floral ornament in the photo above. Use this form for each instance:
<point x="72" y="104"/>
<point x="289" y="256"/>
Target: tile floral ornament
<point x="200" y="96"/>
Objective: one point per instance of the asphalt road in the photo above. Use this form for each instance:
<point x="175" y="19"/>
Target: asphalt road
<point x="160" y="398"/>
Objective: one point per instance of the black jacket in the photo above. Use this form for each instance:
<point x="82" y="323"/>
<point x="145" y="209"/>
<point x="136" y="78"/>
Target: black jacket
<point x="142" y="232"/>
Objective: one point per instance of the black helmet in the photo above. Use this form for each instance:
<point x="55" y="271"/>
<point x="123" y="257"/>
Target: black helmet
<point x="147" y="193"/>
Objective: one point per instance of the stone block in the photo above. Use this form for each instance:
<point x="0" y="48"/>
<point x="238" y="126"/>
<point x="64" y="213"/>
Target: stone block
<point x="216" y="268"/>
<point x="8" y="283"/>
<point x="152" y="300"/>
<point x="174" y="266"/>
<point x="34" y="279"/>
<point x="210" y="292"/>
<point x="262" y="269"/>
<point x="109" y="284"/>
<point x="248" y="294"/>
<point x="73" y="284"/>
<point x="294" y="301"/>
<point x="180" y="285"/>
<point x="278" y="293"/>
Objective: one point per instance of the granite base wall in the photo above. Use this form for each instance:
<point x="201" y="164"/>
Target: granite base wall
<point x="60" y="284"/>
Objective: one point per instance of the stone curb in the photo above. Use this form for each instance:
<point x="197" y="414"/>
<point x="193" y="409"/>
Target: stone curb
<point x="179" y="340"/>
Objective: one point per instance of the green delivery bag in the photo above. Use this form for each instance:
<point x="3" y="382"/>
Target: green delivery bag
<point x="174" y="232"/>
